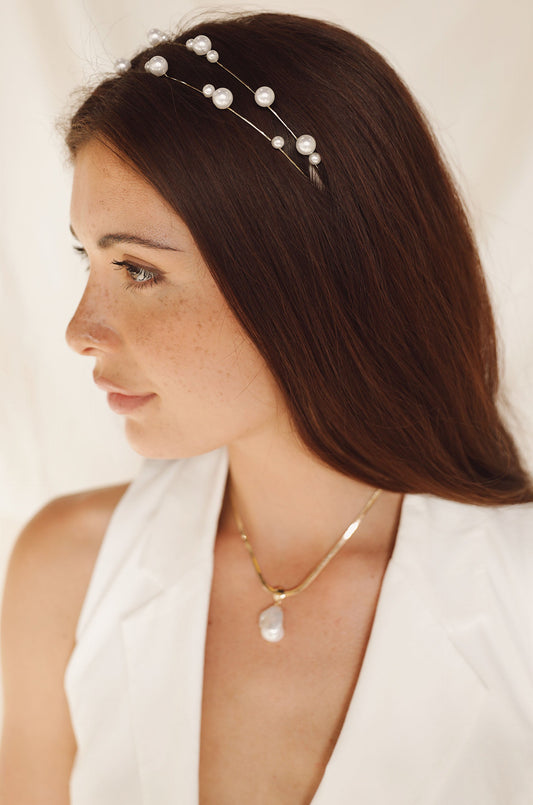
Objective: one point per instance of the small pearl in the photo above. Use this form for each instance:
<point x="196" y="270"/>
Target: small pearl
<point x="157" y="65"/>
<point x="122" y="65"/>
<point x="264" y="96"/>
<point x="208" y="90"/>
<point x="201" y="45"/>
<point x="189" y="44"/>
<point x="315" y="159"/>
<point x="155" y="36"/>
<point x="212" y="56"/>
<point x="305" y="144"/>
<point x="222" y="98"/>
<point x="277" y="142"/>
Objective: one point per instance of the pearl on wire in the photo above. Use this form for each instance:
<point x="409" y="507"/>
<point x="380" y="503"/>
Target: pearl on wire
<point x="157" y="65"/>
<point x="201" y="45"/>
<point x="222" y="98"/>
<point x="264" y="96"/>
<point x="305" y="144"/>
<point x="122" y="66"/>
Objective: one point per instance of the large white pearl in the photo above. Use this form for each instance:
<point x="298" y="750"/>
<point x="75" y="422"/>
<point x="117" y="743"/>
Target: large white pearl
<point x="122" y="65"/>
<point x="212" y="56"/>
<point x="201" y="45"/>
<point x="264" y="96"/>
<point x="305" y="144"/>
<point x="155" y="36"/>
<point x="271" y="624"/>
<point x="208" y="90"/>
<point x="157" y="65"/>
<point x="222" y="98"/>
<point x="277" y="141"/>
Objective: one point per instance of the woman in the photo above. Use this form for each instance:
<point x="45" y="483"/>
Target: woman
<point x="317" y="588"/>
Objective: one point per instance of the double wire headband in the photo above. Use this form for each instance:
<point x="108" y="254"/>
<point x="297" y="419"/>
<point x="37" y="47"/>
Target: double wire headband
<point x="223" y="97"/>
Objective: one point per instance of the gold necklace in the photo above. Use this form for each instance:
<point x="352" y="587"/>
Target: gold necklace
<point x="271" y="619"/>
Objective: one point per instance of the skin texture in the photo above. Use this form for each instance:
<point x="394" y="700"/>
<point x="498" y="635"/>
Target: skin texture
<point x="177" y="343"/>
<point x="47" y="578"/>
<point x="175" y="339"/>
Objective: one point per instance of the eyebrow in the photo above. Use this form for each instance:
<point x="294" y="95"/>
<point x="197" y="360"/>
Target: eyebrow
<point x="125" y="237"/>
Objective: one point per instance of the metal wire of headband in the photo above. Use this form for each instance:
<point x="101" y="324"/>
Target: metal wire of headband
<point x="223" y="97"/>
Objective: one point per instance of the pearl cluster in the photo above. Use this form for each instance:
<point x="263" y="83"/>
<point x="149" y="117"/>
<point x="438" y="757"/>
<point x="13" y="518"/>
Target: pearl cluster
<point x="264" y="96"/>
<point x="222" y="97"/>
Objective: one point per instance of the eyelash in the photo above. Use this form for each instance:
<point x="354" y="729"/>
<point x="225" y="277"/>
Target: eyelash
<point x="133" y="270"/>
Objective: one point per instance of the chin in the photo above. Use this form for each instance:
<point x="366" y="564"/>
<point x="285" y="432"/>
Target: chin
<point x="161" y="446"/>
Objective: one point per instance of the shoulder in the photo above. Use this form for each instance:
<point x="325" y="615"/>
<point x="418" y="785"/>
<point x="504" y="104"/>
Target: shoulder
<point x="48" y="572"/>
<point x="469" y="556"/>
<point x="494" y="540"/>
<point x="52" y="560"/>
<point x="471" y="566"/>
<point x="474" y="563"/>
<point x="62" y="540"/>
<point x="79" y="515"/>
<point x="466" y="525"/>
<point x="495" y="535"/>
<point x="72" y="521"/>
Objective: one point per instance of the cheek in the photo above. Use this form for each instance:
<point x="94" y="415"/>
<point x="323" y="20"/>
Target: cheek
<point x="196" y="347"/>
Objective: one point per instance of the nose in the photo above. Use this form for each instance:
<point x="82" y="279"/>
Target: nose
<point x="90" y="331"/>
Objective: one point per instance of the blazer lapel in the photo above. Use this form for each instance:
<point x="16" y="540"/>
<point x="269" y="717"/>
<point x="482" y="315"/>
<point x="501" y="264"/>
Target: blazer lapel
<point x="164" y="637"/>
<point x="418" y="699"/>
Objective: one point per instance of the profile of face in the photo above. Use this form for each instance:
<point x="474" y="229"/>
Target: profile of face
<point x="167" y="348"/>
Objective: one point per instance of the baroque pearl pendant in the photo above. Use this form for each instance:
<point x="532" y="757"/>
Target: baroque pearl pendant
<point x="271" y="624"/>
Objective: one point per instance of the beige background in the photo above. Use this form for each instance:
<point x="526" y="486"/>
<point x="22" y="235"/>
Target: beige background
<point x="470" y="64"/>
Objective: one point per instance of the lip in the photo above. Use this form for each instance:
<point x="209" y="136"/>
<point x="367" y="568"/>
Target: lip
<point x="107" y="385"/>
<point x="120" y="399"/>
<point x="126" y="403"/>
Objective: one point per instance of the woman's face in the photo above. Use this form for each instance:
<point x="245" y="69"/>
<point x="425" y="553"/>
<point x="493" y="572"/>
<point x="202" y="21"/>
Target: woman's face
<point x="168" y="349"/>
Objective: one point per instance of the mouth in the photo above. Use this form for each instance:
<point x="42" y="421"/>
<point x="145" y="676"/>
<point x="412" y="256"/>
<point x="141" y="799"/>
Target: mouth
<point x="126" y="403"/>
<point x="119" y="399"/>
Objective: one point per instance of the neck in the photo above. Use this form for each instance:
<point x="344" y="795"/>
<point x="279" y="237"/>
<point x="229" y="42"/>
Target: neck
<point x="294" y="507"/>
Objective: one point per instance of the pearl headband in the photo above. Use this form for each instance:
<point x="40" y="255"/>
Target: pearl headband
<point x="223" y="97"/>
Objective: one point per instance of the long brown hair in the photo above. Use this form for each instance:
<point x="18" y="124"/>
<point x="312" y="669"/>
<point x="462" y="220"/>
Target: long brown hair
<point x="365" y="296"/>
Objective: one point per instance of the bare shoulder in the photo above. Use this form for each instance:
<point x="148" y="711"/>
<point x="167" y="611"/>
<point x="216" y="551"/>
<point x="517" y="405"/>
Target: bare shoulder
<point x="55" y="553"/>
<point x="75" y="519"/>
<point x="48" y="573"/>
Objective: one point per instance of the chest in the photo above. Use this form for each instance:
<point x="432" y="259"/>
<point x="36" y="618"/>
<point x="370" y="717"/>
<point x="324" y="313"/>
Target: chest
<point x="272" y="712"/>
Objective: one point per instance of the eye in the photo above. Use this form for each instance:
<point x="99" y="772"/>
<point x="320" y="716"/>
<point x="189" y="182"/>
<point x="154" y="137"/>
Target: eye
<point x="140" y="276"/>
<point x="80" y="251"/>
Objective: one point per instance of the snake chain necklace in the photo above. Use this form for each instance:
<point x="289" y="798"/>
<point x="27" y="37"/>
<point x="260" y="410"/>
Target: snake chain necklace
<point x="271" y="619"/>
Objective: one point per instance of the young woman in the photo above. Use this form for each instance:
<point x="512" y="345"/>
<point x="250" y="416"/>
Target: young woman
<point x="318" y="588"/>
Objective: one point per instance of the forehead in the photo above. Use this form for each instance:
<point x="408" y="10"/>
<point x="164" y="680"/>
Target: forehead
<point x="107" y="191"/>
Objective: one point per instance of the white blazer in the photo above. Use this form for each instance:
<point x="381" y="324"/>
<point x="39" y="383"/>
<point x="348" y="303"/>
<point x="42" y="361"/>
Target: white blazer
<point x="442" y="713"/>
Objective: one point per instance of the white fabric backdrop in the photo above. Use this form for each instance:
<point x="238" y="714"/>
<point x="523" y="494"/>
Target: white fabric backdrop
<point x="470" y="64"/>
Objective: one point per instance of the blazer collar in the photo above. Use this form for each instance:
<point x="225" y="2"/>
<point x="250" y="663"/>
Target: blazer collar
<point x="183" y="527"/>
